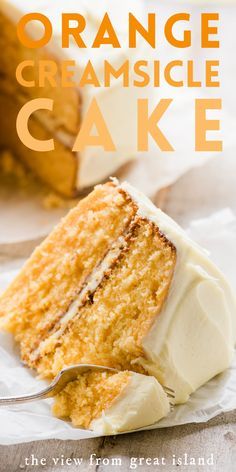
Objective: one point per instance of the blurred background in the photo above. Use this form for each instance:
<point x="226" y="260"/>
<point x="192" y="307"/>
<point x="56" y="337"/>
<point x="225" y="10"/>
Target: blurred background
<point x="185" y="184"/>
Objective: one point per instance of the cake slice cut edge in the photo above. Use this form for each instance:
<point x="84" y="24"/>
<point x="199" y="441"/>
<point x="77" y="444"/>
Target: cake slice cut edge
<point x="108" y="329"/>
<point x="58" y="269"/>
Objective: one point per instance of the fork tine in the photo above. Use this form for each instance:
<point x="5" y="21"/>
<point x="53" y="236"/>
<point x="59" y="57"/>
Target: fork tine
<point x="168" y="389"/>
<point x="169" y="392"/>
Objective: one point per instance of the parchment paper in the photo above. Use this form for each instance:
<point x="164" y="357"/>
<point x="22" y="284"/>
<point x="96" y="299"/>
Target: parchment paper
<point x="35" y="421"/>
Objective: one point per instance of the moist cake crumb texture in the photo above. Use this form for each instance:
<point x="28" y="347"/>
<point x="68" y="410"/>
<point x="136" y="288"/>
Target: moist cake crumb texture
<point x="119" y="284"/>
<point x="57" y="270"/>
<point x="109" y="329"/>
<point x="85" y="399"/>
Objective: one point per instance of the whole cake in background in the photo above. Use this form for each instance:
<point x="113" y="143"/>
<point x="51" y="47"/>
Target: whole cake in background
<point x="65" y="171"/>
<point x="118" y="283"/>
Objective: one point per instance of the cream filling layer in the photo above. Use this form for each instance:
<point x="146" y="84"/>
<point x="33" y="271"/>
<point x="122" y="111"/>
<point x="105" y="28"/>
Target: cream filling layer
<point x="193" y="338"/>
<point x="90" y="286"/>
<point x="143" y="402"/>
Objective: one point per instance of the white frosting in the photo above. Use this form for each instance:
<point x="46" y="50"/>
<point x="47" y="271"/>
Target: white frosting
<point x="95" y="164"/>
<point x="143" y="402"/>
<point x="193" y="338"/>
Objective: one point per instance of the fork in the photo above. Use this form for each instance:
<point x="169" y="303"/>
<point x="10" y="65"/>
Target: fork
<point x="61" y="380"/>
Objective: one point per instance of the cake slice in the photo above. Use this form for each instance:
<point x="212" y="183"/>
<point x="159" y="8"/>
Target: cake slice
<point x="118" y="283"/>
<point x="66" y="171"/>
<point x="110" y="403"/>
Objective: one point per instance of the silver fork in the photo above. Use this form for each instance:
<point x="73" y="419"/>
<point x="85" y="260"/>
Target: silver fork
<point x="61" y="380"/>
<point x="56" y="386"/>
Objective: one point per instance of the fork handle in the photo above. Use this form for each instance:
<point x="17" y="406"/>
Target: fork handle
<point x="45" y="393"/>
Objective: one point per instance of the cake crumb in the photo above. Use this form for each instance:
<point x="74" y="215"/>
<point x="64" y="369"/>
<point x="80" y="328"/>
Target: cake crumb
<point x="52" y="200"/>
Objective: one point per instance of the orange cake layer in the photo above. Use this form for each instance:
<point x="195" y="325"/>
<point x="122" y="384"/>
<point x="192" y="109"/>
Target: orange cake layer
<point x="91" y="291"/>
<point x="112" y="402"/>
<point x="61" y="161"/>
<point x="109" y="327"/>
<point x="85" y="399"/>
<point x="58" y="269"/>
<point x="57" y="168"/>
<point x="66" y="111"/>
